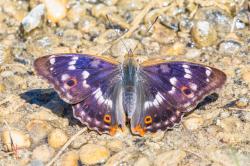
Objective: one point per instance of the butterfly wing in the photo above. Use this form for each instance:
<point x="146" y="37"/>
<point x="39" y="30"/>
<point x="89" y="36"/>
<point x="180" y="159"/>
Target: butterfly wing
<point x="171" y="89"/>
<point x="84" y="81"/>
<point x="75" y="76"/>
<point x="102" y="110"/>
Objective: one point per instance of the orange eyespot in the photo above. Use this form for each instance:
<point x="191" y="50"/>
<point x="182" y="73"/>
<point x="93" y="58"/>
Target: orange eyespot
<point x="148" y="120"/>
<point x="187" y="91"/>
<point x="71" y="82"/>
<point x="107" y="118"/>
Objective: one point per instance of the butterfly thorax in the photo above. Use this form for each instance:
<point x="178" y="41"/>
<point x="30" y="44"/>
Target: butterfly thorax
<point x="129" y="81"/>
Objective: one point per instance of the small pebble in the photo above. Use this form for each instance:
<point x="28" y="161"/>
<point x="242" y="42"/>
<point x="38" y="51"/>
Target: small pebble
<point x="125" y="156"/>
<point x="204" y="34"/>
<point x="242" y="102"/>
<point x="130" y="4"/>
<point x="102" y="10"/>
<point x="172" y="157"/>
<point x="5" y="54"/>
<point x="76" y="13"/>
<point x="86" y="24"/>
<point x="109" y="2"/>
<point x="93" y="154"/>
<point x="192" y="53"/>
<point x="56" y="9"/>
<point x="228" y="156"/>
<point x="72" y="37"/>
<point x="57" y="138"/>
<point x="246" y="76"/>
<point x="16" y="138"/>
<point x="230" y="124"/>
<point x="163" y="35"/>
<point x="229" y="47"/>
<point x="193" y="123"/>
<point x="78" y="142"/>
<point x="151" y="47"/>
<point x="36" y="163"/>
<point x="142" y="161"/>
<point x="2" y="88"/>
<point x="70" y="158"/>
<point x="176" y="49"/>
<point x="115" y="145"/>
<point x="38" y="130"/>
<point x="43" y="153"/>
<point x="33" y="19"/>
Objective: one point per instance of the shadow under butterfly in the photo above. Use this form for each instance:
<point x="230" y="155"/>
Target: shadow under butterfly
<point x="105" y="94"/>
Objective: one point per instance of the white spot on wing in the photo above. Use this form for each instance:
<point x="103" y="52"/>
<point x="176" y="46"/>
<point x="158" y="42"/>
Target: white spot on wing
<point x="109" y="103"/>
<point x="208" y="72"/>
<point x="82" y="114"/>
<point x="172" y="91"/>
<point x="155" y="103"/>
<point x="185" y="66"/>
<point x="52" y="60"/>
<point x="85" y="84"/>
<point x="159" y="97"/>
<point x="193" y="86"/>
<point x="188" y="76"/>
<point x="146" y="105"/>
<point x="75" y="58"/>
<point x="187" y="71"/>
<point x="100" y="100"/>
<point x="173" y="119"/>
<point x="64" y="77"/>
<point x="85" y="74"/>
<point x="98" y="93"/>
<point x="71" y="67"/>
<point x="173" y="80"/>
<point x="73" y="62"/>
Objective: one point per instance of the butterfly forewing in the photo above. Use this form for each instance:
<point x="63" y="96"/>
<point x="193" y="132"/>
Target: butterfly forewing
<point x="75" y="76"/>
<point x="172" y="89"/>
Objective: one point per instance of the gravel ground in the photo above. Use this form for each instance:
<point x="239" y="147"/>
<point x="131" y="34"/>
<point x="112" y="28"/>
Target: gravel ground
<point x="35" y="123"/>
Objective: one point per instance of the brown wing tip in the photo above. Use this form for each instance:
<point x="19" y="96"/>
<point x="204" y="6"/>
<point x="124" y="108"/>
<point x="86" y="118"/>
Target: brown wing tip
<point x="219" y="77"/>
<point x="41" y="66"/>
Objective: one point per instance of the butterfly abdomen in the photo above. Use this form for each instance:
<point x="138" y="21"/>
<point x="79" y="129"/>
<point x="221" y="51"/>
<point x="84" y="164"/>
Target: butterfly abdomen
<point x="129" y="79"/>
<point x="129" y="102"/>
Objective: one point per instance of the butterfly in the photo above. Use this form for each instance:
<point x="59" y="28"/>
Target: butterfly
<point x="105" y="94"/>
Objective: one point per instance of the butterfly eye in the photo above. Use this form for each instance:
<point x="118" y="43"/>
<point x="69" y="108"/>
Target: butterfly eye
<point x="187" y="92"/>
<point x="71" y="82"/>
<point x="107" y="118"/>
<point x="148" y="120"/>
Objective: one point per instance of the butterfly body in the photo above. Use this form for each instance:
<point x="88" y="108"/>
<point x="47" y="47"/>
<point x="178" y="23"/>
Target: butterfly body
<point x="129" y="82"/>
<point x="105" y="94"/>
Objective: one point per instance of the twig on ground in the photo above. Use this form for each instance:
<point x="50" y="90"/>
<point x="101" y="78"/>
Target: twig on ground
<point x="65" y="146"/>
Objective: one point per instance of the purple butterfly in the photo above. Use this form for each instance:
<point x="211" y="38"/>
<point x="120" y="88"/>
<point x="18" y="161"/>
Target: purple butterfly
<point x="104" y="94"/>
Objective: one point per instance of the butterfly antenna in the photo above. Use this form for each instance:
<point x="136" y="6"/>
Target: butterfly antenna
<point x="150" y="27"/>
<point x="130" y="52"/>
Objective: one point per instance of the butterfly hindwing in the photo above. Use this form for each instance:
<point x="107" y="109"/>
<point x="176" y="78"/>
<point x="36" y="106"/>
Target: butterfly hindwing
<point x="100" y="111"/>
<point x="172" y="89"/>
